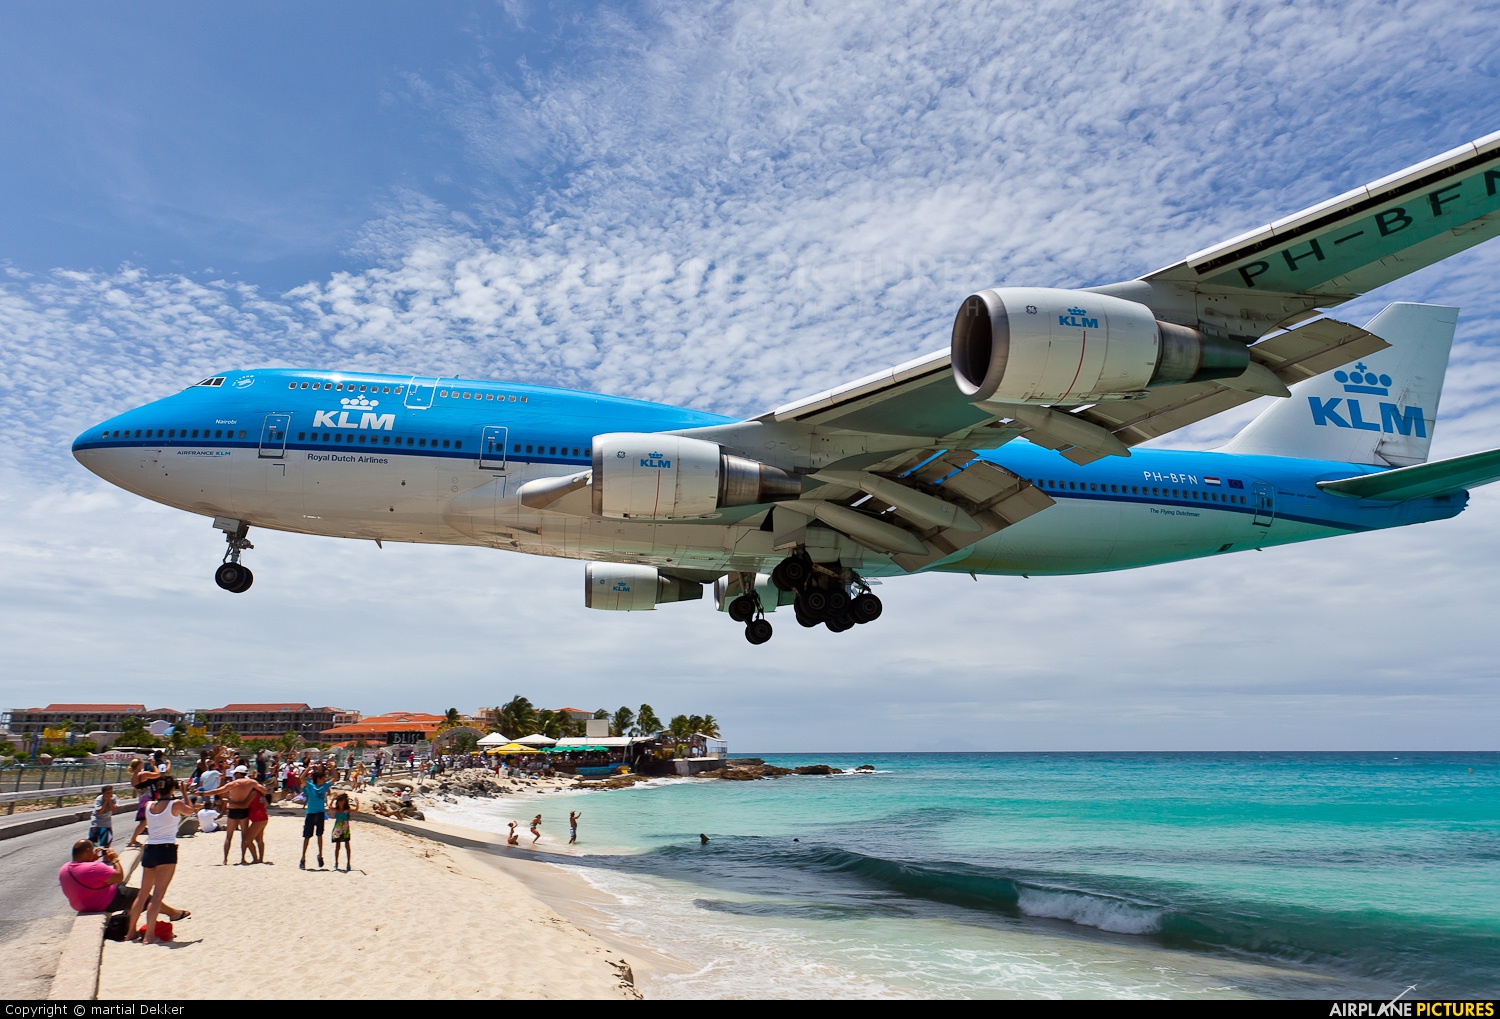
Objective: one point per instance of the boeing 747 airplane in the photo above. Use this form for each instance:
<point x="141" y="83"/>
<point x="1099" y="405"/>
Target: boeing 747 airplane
<point x="1013" y="450"/>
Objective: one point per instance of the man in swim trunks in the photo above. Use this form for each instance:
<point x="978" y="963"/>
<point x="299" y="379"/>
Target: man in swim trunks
<point x="238" y="795"/>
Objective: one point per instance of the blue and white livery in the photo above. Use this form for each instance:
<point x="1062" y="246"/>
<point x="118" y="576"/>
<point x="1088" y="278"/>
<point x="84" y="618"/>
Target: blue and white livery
<point x="1015" y="450"/>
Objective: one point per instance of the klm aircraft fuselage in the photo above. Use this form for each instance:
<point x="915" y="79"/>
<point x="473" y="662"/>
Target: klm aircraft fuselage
<point x="400" y="459"/>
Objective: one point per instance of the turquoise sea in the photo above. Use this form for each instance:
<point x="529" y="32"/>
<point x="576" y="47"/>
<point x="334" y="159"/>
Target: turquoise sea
<point x="1173" y="875"/>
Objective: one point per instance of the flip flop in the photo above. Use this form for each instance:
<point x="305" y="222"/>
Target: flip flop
<point x="186" y="913"/>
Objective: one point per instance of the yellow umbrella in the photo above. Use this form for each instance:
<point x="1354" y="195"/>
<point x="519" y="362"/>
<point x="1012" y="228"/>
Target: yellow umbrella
<point x="512" y="748"/>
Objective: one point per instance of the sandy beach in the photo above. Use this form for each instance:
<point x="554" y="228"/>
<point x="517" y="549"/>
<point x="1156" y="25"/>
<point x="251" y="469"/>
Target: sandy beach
<point x="415" y="919"/>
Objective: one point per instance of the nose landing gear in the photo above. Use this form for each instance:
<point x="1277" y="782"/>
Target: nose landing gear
<point x="232" y="575"/>
<point x="836" y="597"/>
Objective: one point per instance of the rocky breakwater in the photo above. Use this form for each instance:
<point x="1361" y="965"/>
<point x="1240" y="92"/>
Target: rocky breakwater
<point x="747" y="769"/>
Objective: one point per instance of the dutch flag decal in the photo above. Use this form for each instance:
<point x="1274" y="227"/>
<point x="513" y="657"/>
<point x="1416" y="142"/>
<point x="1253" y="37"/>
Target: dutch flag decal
<point x="1210" y="481"/>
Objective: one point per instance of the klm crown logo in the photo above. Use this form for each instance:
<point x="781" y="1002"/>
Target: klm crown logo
<point x="1362" y="380"/>
<point x="1394" y="419"/>
<point x="658" y="461"/>
<point x="1078" y="319"/>
<point x="360" y="403"/>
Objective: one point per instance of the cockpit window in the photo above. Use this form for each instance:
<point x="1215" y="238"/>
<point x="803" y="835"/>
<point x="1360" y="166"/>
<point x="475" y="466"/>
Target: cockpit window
<point x="217" y="380"/>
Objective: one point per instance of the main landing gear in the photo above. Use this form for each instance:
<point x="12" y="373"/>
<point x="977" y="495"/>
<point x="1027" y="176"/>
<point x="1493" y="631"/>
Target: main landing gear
<point x="232" y="575"/>
<point x="831" y="595"/>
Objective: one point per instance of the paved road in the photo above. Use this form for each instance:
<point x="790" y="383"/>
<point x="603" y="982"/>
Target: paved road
<point x="34" y="916"/>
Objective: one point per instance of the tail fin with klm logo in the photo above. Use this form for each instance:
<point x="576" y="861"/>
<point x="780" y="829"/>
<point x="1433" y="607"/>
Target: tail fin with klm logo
<point x="1380" y="411"/>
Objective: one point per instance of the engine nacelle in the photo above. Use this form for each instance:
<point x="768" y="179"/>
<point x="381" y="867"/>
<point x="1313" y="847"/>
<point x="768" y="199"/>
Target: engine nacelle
<point x="646" y="476"/>
<point x="621" y="587"/>
<point x="1047" y="346"/>
<point x="771" y="596"/>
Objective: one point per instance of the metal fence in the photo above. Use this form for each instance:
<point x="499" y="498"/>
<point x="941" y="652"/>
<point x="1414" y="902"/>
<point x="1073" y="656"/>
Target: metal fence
<point x="21" y="783"/>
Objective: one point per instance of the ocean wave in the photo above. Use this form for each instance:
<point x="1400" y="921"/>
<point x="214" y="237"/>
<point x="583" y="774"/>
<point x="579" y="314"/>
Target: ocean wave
<point x="1106" y="913"/>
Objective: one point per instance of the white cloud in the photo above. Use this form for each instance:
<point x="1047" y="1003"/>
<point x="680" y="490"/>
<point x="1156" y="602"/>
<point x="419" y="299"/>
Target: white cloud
<point x="726" y="207"/>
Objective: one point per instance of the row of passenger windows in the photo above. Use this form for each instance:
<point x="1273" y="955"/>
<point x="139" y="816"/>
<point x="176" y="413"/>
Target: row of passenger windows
<point x="380" y="440"/>
<point x="447" y="394"/>
<point x="174" y="433"/>
<point x="350" y="386"/>
<point x="455" y="394"/>
<point x="1170" y="493"/>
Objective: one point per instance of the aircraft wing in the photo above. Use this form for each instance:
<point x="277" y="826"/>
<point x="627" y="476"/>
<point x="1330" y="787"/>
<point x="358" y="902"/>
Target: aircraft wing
<point x="1277" y="274"/>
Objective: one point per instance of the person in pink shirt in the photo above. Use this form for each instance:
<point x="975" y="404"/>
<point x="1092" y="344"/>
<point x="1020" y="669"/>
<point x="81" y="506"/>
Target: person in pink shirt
<point x="93" y="882"/>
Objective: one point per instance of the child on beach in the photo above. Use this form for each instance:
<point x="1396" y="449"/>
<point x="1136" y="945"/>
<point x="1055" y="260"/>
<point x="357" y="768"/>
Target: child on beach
<point x="341" y="832"/>
<point x="101" y="821"/>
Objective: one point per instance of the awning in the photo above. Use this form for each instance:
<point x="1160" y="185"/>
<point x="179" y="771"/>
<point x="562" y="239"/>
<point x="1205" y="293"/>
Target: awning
<point x="536" y="739"/>
<point x="494" y="739"/>
<point x="512" y="748"/>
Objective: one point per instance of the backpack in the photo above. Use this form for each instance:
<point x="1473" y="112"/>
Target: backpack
<point x="115" y="927"/>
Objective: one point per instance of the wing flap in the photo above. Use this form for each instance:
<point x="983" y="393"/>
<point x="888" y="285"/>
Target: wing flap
<point x="1421" y="480"/>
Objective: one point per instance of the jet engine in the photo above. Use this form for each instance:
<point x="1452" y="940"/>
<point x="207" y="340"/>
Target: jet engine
<point x="1044" y="346"/>
<point x="649" y="476"/>
<point x="621" y="587"/>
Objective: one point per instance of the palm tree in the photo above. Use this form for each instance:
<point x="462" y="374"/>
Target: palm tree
<point x="709" y="726"/>
<point x="516" y="717"/>
<point x="452" y="717"/>
<point x="680" y="727"/>
<point x="621" y="723"/>
<point x="553" y="724"/>
<point x="646" y="722"/>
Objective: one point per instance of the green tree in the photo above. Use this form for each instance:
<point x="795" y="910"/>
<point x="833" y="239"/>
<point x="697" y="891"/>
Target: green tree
<point x="228" y="737"/>
<point x="452" y="717"/>
<point x="553" y="724"/>
<point x="681" y="727"/>
<point x="620" y="725"/>
<point x="646" y="722"/>
<point x="133" y="733"/>
<point x="290" y="742"/>
<point x="709" y="726"/>
<point x="516" y="718"/>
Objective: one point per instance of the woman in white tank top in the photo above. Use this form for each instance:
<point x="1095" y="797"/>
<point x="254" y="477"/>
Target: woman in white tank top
<point x="159" y="858"/>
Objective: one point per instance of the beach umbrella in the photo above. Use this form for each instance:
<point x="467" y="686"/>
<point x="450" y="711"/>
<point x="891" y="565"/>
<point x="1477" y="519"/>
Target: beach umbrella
<point x="512" y="748"/>
<point x="536" y="739"/>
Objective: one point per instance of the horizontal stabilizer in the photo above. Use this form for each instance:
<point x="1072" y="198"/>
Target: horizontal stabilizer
<point x="1421" y="480"/>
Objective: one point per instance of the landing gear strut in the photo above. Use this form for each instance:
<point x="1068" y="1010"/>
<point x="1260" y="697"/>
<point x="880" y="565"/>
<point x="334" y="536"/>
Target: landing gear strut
<point x="231" y="575"/>
<point x="836" y="597"/>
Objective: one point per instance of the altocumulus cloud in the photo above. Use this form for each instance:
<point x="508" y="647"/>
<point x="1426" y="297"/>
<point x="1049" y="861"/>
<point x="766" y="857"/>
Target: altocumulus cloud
<point x="726" y="206"/>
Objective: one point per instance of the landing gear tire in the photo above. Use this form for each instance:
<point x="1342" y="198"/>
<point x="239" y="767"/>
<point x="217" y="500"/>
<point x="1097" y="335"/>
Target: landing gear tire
<point x="840" y="623"/>
<point x="791" y="573"/>
<point x="233" y="577"/>
<point x="758" y="631"/>
<point x="838" y="602"/>
<point x="804" y="617"/>
<point x="866" y="608"/>
<point x="742" y="610"/>
<point x="815" y="601"/>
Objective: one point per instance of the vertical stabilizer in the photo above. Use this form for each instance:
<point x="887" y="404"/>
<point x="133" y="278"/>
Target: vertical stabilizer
<point x="1380" y="411"/>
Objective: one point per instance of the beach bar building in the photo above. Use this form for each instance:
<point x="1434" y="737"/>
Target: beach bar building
<point x="397" y="728"/>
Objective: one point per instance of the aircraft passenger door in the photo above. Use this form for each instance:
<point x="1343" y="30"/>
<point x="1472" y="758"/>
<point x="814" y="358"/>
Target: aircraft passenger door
<point x="419" y="392"/>
<point x="492" y="448"/>
<point x="1265" y="504"/>
<point x="273" y="436"/>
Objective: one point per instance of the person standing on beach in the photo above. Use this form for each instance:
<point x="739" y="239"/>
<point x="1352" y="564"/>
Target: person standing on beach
<point x="258" y="819"/>
<point x="341" y="832"/>
<point x="573" y="816"/>
<point x="159" y="858"/>
<point x="535" y="824"/>
<point x="315" y="789"/>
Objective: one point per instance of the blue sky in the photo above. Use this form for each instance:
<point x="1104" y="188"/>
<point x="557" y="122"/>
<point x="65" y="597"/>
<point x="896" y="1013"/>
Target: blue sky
<point x="722" y="206"/>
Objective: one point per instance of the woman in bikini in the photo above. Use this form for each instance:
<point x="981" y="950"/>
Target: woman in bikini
<point x="258" y="820"/>
<point x="513" y="839"/>
<point x="535" y="823"/>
